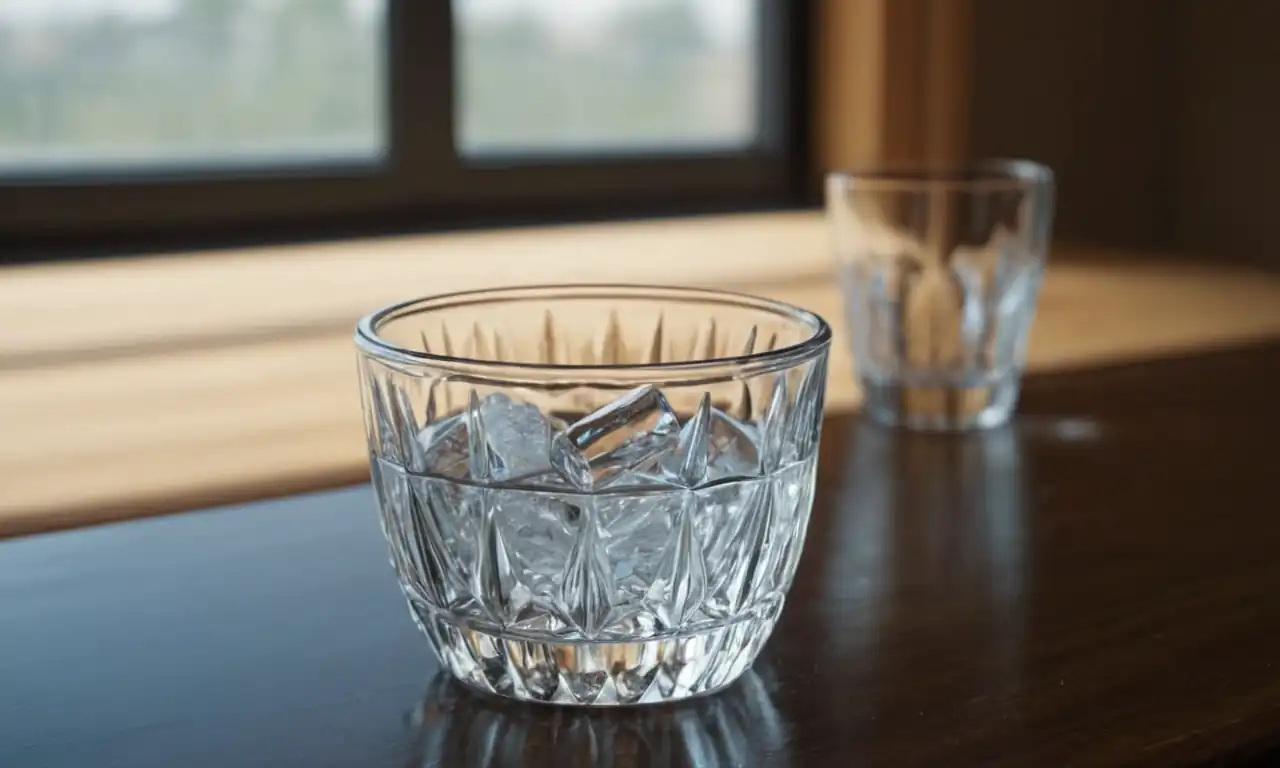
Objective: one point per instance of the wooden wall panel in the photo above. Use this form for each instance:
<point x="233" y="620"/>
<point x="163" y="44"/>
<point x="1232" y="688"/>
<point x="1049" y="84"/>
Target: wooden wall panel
<point x="1082" y="85"/>
<point x="892" y="80"/>
<point x="1227" y="128"/>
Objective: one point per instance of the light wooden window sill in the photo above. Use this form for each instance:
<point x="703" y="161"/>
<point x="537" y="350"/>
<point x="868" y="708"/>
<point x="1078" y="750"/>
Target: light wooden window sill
<point x="142" y="386"/>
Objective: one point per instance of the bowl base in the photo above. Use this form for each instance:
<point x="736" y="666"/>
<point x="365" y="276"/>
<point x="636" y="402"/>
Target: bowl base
<point x="599" y="674"/>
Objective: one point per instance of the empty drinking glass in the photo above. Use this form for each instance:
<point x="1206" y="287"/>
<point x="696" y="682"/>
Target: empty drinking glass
<point x="940" y="268"/>
<point x="594" y="494"/>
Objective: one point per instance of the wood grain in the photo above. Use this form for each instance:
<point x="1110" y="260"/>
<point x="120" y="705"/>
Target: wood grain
<point x="153" y="386"/>
<point x="56" y="312"/>
<point x="1093" y="585"/>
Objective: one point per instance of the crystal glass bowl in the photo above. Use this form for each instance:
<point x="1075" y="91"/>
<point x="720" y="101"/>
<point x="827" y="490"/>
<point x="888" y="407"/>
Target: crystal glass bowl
<point x="594" y="495"/>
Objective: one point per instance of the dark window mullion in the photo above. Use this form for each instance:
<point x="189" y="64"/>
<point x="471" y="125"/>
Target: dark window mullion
<point x="773" y="89"/>
<point x="421" y="100"/>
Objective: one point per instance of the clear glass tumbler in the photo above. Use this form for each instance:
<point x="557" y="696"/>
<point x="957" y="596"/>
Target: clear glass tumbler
<point x="940" y="269"/>
<point x="594" y="494"/>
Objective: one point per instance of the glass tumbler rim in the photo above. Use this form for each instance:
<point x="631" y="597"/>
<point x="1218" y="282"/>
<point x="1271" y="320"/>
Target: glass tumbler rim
<point x="370" y="342"/>
<point x="985" y="175"/>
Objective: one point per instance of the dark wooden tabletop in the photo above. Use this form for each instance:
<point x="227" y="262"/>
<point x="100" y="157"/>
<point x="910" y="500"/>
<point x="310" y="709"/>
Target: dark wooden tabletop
<point x="1097" y="584"/>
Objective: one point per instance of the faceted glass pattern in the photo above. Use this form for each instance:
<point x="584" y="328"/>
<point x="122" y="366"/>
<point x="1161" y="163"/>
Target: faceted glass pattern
<point x="588" y="533"/>
<point x="457" y="730"/>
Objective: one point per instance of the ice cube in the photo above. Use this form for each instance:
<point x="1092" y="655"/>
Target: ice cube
<point x="626" y="436"/>
<point x="445" y="447"/>
<point x="519" y="437"/>
<point x="735" y="449"/>
<point x="712" y="445"/>
<point x="495" y="439"/>
<point x="687" y="464"/>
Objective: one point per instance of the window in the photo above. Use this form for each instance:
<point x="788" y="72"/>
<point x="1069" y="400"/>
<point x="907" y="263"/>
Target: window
<point x="100" y="84"/>
<point x="575" y="75"/>
<point x="137" y="122"/>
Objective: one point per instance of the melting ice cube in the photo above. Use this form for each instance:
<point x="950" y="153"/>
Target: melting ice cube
<point x="519" y="437"/>
<point x="445" y="446"/>
<point x="621" y="438"/>
<point x="735" y="449"/>
<point x="712" y="445"/>
<point x="496" y="438"/>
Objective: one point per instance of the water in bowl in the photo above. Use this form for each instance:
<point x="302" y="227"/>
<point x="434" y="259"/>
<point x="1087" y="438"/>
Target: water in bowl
<point x="630" y="556"/>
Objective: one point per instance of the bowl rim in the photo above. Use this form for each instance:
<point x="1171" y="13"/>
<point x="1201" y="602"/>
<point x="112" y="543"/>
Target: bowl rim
<point x="372" y="344"/>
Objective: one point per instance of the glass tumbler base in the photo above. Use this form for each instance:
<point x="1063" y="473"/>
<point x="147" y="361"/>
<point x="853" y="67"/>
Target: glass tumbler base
<point x="604" y="673"/>
<point x="938" y="406"/>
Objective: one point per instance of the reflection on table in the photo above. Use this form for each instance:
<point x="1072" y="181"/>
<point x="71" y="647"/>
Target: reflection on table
<point x="455" y="727"/>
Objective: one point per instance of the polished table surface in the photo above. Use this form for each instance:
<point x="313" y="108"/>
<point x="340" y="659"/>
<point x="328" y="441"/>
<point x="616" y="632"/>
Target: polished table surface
<point x="1097" y="584"/>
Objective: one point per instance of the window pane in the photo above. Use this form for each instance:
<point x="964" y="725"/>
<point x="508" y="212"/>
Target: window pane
<point x="85" y="83"/>
<point x="582" y="75"/>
